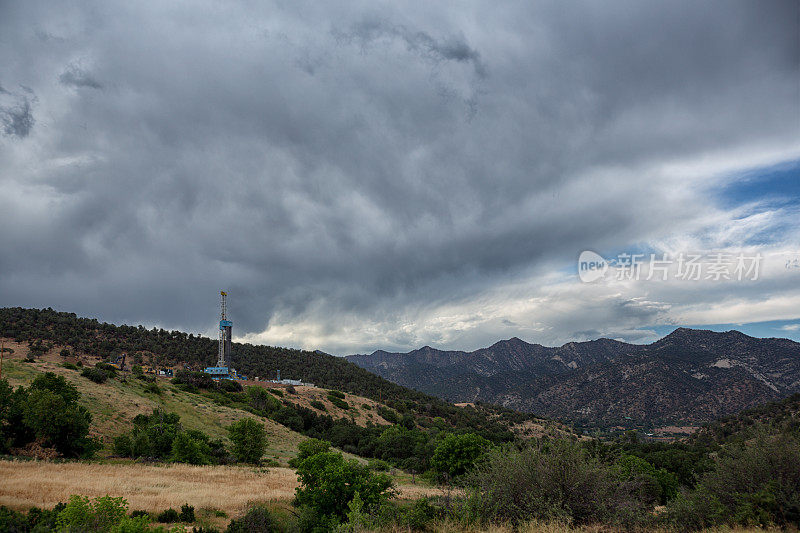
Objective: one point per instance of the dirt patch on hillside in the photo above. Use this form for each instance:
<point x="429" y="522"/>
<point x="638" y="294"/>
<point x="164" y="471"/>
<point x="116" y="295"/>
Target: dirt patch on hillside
<point x="362" y="411"/>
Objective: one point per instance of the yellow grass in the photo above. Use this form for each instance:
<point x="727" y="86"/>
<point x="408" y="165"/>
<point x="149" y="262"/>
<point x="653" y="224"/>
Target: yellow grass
<point x="154" y="488"/>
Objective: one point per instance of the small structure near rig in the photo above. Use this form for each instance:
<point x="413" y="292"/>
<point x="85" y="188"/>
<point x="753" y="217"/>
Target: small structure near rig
<point x="224" y="370"/>
<point x="279" y="381"/>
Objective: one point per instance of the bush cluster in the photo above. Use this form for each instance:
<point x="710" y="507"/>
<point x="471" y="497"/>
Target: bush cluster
<point x="752" y="484"/>
<point x="249" y="440"/>
<point x="98" y="375"/>
<point x="160" y="436"/>
<point x="193" y="380"/>
<point x="329" y="483"/>
<point x="48" y="413"/>
<point x="257" y="520"/>
<point x="102" y="515"/>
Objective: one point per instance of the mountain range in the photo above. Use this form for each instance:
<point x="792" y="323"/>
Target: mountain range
<point x="688" y="377"/>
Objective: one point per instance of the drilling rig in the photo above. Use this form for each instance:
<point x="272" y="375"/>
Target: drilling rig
<point x="223" y="370"/>
<point x="225" y="326"/>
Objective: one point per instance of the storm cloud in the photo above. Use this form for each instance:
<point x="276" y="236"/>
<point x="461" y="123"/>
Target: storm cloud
<point x="16" y="114"/>
<point x="386" y="175"/>
<point x="76" y="76"/>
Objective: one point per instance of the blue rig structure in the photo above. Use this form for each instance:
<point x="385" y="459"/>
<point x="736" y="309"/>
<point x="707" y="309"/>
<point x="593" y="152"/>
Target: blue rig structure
<point x="224" y="370"/>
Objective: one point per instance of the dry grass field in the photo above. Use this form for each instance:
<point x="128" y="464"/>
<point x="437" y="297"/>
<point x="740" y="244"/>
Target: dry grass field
<point x="154" y="488"/>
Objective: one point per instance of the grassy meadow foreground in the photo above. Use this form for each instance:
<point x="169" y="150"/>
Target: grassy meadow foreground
<point x="148" y="487"/>
<point x="153" y="488"/>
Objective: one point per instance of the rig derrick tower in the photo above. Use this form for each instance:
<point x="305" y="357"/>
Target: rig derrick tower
<point x="225" y="326"/>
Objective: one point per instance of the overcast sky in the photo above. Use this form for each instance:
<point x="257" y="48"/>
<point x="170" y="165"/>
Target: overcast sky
<point x="368" y="175"/>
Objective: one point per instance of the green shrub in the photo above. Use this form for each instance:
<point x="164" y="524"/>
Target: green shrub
<point x="107" y="368"/>
<point x="276" y="392"/>
<point x="99" y="514"/>
<point x="229" y="385"/>
<point x="289" y="418"/>
<point x="36" y="348"/>
<point x="69" y="366"/>
<point x="156" y="436"/>
<point x="753" y="484"/>
<point x="262" y="401"/>
<point x="457" y="454"/>
<point x="309" y="520"/>
<point x="152" y="388"/>
<point x="123" y="446"/>
<point x="257" y="520"/>
<point x="168" y="517"/>
<point x="329" y="482"/>
<point x="388" y="414"/>
<point x="557" y="480"/>
<point x="291" y="390"/>
<point x="419" y="514"/>
<point x="336" y="394"/>
<point x="187" y="513"/>
<point x="48" y="411"/>
<point x="316" y="404"/>
<point x="653" y="485"/>
<point x="249" y="440"/>
<point x="378" y="465"/>
<point x="141" y="446"/>
<point x="341" y="404"/>
<point x="187" y="448"/>
<point x="36" y="520"/>
<point x="307" y="448"/>
<point x="194" y="380"/>
<point x="11" y="520"/>
<point x="98" y="375"/>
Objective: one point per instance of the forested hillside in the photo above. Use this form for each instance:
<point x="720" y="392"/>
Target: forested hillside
<point x="781" y="417"/>
<point x="45" y="328"/>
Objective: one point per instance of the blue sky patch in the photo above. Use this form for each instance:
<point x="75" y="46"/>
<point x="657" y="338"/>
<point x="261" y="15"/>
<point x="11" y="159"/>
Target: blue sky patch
<point x="777" y="185"/>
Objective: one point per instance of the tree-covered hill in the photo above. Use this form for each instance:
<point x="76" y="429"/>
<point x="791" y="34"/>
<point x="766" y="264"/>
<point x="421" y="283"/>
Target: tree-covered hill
<point x="41" y="328"/>
<point x="780" y="417"/>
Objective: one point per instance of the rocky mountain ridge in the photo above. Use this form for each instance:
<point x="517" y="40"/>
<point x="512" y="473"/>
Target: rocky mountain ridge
<point x="688" y="376"/>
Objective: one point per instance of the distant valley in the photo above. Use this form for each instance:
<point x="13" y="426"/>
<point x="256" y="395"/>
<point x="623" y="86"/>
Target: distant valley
<point x="689" y="376"/>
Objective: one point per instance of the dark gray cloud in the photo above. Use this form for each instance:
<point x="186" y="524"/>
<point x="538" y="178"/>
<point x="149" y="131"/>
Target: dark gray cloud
<point x="76" y="76"/>
<point x="343" y="170"/>
<point x="367" y="33"/>
<point x="16" y="114"/>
